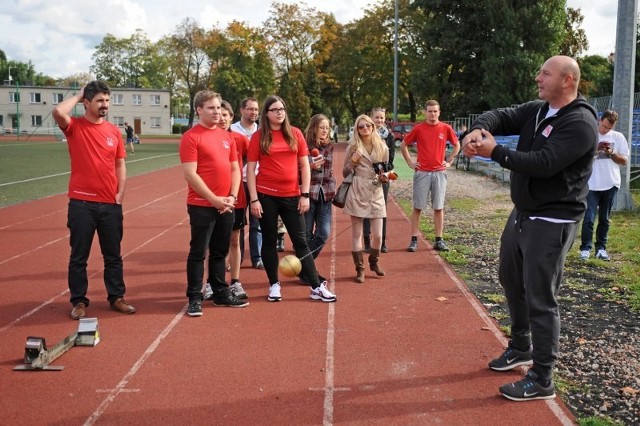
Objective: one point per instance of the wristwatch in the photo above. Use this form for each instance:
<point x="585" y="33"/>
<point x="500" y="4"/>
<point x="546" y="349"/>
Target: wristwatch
<point x="305" y="195"/>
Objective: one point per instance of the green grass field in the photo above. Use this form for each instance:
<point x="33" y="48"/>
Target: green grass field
<point x="32" y="170"/>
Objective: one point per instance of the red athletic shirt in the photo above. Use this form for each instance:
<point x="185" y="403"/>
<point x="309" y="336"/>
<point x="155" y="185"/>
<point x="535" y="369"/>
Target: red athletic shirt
<point x="431" y="144"/>
<point x="279" y="174"/>
<point x="242" y="145"/>
<point x="93" y="149"/>
<point x="213" y="150"/>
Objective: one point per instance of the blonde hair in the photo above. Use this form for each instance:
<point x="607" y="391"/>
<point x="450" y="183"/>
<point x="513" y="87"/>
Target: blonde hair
<point x="356" y="143"/>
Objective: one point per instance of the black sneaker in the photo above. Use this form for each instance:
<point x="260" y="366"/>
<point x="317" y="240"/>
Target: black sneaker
<point x="511" y="358"/>
<point x="440" y="246"/>
<point x="527" y="389"/>
<point x="413" y="246"/>
<point x="195" y="308"/>
<point x="226" y="298"/>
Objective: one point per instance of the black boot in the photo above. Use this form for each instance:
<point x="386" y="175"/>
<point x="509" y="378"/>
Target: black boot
<point x="367" y="244"/>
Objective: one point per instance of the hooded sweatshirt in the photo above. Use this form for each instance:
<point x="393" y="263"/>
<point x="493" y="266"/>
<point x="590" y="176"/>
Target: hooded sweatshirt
<point x="552" y="163"/>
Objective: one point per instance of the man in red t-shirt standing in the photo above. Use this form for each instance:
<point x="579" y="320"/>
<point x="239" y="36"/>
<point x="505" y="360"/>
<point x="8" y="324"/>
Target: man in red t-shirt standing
<point x="96" y="191"/>
<point x="430" y="177"/>
<point x="210" y="164"/>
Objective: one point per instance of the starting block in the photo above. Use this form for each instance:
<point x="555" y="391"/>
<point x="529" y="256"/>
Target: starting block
<point x="38" y="357"/>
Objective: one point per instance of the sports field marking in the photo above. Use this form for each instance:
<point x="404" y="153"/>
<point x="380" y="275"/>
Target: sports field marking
<point x="31" y="219"/>
<point x="475" y="304"/>
<point x="121" y="386"/>
<point x="329" y="371"/>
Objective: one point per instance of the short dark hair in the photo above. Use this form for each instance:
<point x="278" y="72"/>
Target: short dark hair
<point x="610" y="115"/>
<point x="95" y="87"/>
<point x="245" y="101"/>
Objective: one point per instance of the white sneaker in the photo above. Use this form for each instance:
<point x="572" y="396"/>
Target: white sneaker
<point x="322" y="293"/>
<point x="207" y="293"/>
<point x="238" y="291"/>
<point x="602" y="255"/>
<point x="274" y="293"/>
<point x="584" y="254"/>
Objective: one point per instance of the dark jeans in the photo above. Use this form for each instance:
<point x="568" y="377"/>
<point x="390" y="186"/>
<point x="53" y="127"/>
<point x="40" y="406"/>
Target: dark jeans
<point x="209" y="230"/>
<point x="532" y="256"/>
<point x="84" y="218"/>
<point x="255" y="233"/>
<point x="318" y="223"/>
<point x="287" y="209"/>
<point x="366" y="223"/>
<point x="599" y="202"/>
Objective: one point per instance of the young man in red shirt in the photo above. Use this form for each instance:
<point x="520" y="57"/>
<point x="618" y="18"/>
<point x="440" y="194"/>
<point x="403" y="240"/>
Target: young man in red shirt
<point x="430" y="177"/>
<point x="210" y="164"/>
<point x="96" y="191"/>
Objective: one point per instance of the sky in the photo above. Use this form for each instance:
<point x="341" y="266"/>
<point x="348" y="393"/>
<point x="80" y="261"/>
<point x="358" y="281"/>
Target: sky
<point x="59" y="37"/>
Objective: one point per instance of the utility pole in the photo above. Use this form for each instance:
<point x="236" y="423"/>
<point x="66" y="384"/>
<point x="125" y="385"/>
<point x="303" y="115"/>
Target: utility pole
<point x="623" y="81"/>
<point x="395" y="64"/>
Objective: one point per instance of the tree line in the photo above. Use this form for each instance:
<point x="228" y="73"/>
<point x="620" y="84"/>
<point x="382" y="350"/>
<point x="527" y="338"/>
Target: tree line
<point x="470" y="56"/>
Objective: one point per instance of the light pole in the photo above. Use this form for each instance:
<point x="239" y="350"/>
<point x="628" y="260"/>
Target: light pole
<point x="395" y="64"/>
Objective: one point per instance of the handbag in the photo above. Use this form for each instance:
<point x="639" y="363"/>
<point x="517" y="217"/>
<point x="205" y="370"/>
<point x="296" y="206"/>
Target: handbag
<point x="341" y="193"/>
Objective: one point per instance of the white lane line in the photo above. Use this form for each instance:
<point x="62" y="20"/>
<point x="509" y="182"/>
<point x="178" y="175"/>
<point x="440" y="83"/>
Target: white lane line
<point x="482" y="313"/>
<point x="30" y="252"/>
<point x="121" y="386"/>
<point x="329" y="368"/>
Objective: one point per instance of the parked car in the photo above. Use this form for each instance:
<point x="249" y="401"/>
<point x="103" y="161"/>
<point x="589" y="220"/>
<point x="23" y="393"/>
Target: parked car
<point x="399" y="130"/>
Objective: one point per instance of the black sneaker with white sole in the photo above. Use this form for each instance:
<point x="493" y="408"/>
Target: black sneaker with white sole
<point x="195" y="308"/>
<point x="227" y="298"/>
<point x="511" y="358"/>
<point x="528" y="389"/>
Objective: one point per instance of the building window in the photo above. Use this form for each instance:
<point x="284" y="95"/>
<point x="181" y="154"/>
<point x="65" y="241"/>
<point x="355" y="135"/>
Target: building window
<point x="14" y="97"/>
<point x="155" y="99"/>
<point x="56" y="98"/>
<point x="118" y="121"/>
<point x="117" y="99"/>
<point x="137" y="99"/>
<point x="36" y="98"/>
<point x="155" y="122"/>
<point x="36" y="120"/>
<point x="1" y="120"/>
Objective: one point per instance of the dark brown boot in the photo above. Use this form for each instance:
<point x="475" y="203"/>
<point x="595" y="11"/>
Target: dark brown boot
<point x="374" y="254"/>
<point x="359" y="262"/>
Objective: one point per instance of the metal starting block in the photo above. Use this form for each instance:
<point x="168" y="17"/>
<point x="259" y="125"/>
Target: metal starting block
<point x="38" y="357"/>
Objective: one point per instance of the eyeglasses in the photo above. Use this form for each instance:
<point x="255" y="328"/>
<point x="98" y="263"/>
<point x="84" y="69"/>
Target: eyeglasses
<point x="367" y="125"/>
<point x="277" y="110"/>
<point x="324" y="128"/>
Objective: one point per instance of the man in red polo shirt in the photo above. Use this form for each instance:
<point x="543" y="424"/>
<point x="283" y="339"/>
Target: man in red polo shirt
<point x="96" y="191"/>
<point x="210" y="164"/>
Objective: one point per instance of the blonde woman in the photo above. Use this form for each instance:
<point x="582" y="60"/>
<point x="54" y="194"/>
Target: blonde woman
<point x="366" y="157"/>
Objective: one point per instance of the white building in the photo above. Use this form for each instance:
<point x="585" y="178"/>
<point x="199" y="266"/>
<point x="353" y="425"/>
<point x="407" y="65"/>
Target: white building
<point x="146" y="110"/>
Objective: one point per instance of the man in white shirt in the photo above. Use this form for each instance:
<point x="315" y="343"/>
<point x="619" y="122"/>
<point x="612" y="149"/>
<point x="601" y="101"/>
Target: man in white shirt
<point x="613" y="152"/>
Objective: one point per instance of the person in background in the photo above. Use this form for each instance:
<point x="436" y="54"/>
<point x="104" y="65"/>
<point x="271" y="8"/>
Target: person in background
<point x="210" y="164"/>
<point x="130" y="136"/>
<point x="336" y="129"/>
<point x="549" y="173"/>
<point x="247" y="126"/>
<point x="239" y="211"/>
<point x="430" y="176"/>
<point x="613" y="152"/>
<point x="282" y="189"/>
<point x="96" y="193"/>
<point x="366" y="158"/>
<point x="378" y="117"/>
<point x="323" y="184"/>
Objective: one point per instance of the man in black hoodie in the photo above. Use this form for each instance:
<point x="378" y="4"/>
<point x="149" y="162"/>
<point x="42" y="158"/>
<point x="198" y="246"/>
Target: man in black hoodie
<point x="549" y="174"/>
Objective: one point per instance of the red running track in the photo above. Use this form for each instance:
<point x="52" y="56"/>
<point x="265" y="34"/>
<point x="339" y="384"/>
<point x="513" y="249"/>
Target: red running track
<point x="390" y="351"/>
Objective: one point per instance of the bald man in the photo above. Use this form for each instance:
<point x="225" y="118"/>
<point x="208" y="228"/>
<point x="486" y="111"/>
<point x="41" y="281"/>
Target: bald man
<point x="549" y="173"/>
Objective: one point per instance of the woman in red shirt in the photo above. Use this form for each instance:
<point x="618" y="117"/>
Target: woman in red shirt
<point x="276" y="191"/>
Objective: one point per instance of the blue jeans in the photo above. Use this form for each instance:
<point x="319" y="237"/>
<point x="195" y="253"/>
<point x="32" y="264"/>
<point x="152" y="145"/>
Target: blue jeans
<point x="209" y="230"/>
<point x="600" y="202"/>
<point x="287" y="209"/>
<point x="84" y="218"/>
<point x="255" y="233"/>
<point x="318" y="217"/>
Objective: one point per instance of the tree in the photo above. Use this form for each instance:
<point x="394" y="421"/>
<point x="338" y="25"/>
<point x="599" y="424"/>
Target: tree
<point x="240" y="62"/>
<point x="188" y="59"/>
<point x="575" y="40"/>
<point x="596" y="76"/>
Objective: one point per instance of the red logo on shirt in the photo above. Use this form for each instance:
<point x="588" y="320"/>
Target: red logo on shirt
<point x="547" y="131"/>
<point x="110" y="142"/>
